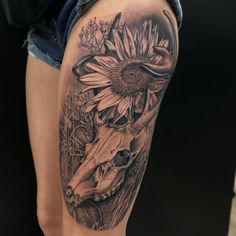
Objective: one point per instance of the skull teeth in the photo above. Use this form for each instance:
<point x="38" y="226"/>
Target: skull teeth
<point x="103" y="196"/>
<point x="96" y="198"/>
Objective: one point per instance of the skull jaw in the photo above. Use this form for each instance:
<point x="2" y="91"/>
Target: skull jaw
<point x="95" y="190"/>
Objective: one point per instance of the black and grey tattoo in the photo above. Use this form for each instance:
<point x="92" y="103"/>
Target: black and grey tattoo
<point x="109" y="113"/>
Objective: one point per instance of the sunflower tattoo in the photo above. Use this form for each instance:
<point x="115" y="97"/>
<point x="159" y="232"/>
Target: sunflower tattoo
<point x="124" y="77"/>
<point x="134" y="64"/>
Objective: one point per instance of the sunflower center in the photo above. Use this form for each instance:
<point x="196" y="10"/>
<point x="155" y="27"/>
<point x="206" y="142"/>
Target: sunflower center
<point x="130" y="80"/>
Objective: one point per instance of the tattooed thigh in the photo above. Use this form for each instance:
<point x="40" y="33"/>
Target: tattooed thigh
<point x="114" y="87"/>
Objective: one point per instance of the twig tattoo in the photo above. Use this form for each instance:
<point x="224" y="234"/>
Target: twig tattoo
<point x="106" y="127"/>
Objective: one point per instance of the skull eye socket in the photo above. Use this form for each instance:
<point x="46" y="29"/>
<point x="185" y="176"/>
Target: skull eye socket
<point x="122" y="158"/>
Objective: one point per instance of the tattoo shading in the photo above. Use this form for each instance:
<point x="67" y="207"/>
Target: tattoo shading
<point x="108" y="116"/>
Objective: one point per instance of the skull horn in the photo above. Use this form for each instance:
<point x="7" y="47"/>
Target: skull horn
<point x="79" y="68"/>
<point x="165" y="68"/>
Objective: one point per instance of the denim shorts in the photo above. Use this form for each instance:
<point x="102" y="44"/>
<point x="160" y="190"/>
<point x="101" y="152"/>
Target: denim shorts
<point x="48" y="37"/>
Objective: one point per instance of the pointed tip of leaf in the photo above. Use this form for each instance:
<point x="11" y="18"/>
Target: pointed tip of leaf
<point x="116" y="21"/>
<point x="115" y="24"/>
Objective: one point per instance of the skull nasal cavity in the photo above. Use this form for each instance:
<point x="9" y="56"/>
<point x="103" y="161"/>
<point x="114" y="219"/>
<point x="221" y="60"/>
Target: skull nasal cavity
<point x="122" y="157"/>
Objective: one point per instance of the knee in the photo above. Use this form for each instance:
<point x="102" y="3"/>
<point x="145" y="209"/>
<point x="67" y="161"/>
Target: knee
<point x="49" y="222"/>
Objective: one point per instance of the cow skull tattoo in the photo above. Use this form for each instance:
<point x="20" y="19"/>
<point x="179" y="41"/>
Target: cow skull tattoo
<point x="109" y="114"/>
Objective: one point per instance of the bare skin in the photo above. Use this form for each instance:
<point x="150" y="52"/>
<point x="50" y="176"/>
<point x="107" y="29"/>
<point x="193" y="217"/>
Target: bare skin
<point x="90" y="195"/>
<point x="41" y="89"/>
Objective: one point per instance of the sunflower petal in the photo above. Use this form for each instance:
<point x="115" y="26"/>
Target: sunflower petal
<point x="111" y="113"/>
<point x="93" y="102"/>
<point x="128" y="40"/>
<point x="94" y="79"/>
<point x="161" y="42"/>
<point x="98" y="68"/>
<point x="149" y="38"/>
<point x="119" y="45"/>
<point x="155" y="35"/>
<point x="156" y="59"/>
<point x="143" y="39"/>
<point x="153" y="40"/>
<point x="136" y="40"/>
<point x="89" y="108"/>
<point x="106" y="61"/>
<point x="164" y="43"/>
<point x="110" y="45"/>
<point x="149" y="29"/>
<point x="104" y="93"/>
<point x="94" y="87"/>
<point x="109" y="101"/>
<point x="124" y="105"/>
<point x="157" y="85"/>
<point x="153" y="100"/>
<point x="130" y="114"/>
<point x="139" y="103"/>
<point x="123" y="108"/>
<point x="150" y="47"/>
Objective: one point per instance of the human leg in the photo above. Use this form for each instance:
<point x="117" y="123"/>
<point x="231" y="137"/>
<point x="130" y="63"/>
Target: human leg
<point x="118" y="62"/>
<point x="41" y="91"/>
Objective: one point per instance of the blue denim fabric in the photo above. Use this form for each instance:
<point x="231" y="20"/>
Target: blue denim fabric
<point x="48" y="37"/>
